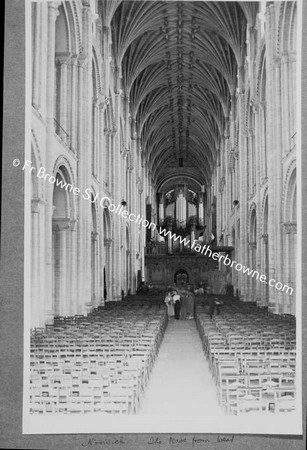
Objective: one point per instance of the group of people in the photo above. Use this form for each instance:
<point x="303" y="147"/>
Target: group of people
<point x="180" y="304"/>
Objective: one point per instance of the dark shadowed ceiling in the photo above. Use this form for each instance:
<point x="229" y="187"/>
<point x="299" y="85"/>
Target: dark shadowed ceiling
<point x="179" y="63"/>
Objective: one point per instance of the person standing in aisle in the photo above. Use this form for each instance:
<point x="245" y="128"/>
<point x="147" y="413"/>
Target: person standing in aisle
<point x="169" y="301"/>
<point x="177" y="305"/>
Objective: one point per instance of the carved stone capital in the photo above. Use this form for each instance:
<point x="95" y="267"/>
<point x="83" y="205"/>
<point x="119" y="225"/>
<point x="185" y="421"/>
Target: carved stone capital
<point x="63" y="58"/>
<point x="107" y="242"/>
<point x="60" y="224"/>
<point x="277" y="61"/>
<point x="290" y="227"/>
<point x="125" y="152"/>
<point x="54" y="8"/>
<point x="82" y="60"/>
<point x="95" y="235"/>
<point x="73" y="224"/>
<point x="107" y="131"/>
<point x="236" y="154"/>
<point x="285" y="58"/>
<point x="222" y="184"/>
<point x="74" y="59"/>
<point x="35" y="204"/>
<point x="255" y="103"/>
<point x="265" y="238"/>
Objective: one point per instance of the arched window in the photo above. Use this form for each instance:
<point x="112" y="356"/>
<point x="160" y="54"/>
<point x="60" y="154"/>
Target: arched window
<point x="291" y="199"/>
<point x="253" y="228"/>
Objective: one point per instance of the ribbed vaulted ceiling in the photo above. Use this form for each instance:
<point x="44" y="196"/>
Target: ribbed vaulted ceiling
<point x="179" y="66"/>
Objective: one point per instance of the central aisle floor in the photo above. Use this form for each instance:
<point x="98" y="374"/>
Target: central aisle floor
<point x="181" y="382"/>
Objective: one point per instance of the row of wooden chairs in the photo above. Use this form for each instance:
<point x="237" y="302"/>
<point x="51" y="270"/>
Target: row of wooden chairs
<point x="99" y="363"/>
<point x="252" y="357"/>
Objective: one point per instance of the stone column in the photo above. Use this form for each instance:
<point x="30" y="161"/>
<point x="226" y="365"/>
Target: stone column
<point x="36" y="319"/>
<point x="63" y="310"/>
<point x="292" y="95"/>
<point x="242" y="251"/>
<point x="101" y="258"/>
<point x="285" y="103"/>
<point x="98" y="272"/>
<point x="262" y="121"/>
<point x="107" y="159"/>
<point x="117" y="197"/>
<point x="220" y="209"/>
<point x="192" y="238"/>
<point x="94" y="269"/>
<point x="134" y="234"/>
<point x="48" y="300"/>
<point x="63" y="60"/>
<point x="107" y="264"/>
<point x="161" y="208"/>
<point x="270" y="52"/>
<point x="278" y="180"/>
<point x="219" y="201"/>
<point x="265" y="270"/>
<point x="273" y="96"/>
<point x="73" y="111"/>
<point x="257" y="144"/>
<point x="36" y="57"/>
<point x="95" y="135"/>
<point x="258" y="200"/>
<point x="84" y="162"/>
<point x="289" y="276"/>
<point x="106" y="56"/>
<point x="142" y="213"/>
<point x="201" y="209"/>
<point x="293" y="267"/>
<point x="82" y="185"/>
<point x="226" y="182"/>
<point x="169" y="240"/>
<point x="62" y="274"/>
<point x="102" y="144"/>
<point x="73" y="252"/>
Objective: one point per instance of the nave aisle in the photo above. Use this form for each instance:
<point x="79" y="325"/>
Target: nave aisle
<point x="181" y="383"/>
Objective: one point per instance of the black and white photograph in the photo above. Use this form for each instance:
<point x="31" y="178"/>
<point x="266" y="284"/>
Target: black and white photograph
<point x="162" y="206"/>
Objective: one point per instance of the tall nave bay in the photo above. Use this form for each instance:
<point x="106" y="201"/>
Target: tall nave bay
<point x="120" y="209"/>
<point x="91" y="196"/>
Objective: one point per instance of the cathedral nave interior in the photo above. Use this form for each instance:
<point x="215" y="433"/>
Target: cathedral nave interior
<point x="181" y="113"/>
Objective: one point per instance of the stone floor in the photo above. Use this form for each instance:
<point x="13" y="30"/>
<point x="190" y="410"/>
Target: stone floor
<point x="181" y="382"/>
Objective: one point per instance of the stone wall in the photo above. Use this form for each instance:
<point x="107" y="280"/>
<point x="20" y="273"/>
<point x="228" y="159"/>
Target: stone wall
<point x="161" y="270"/>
